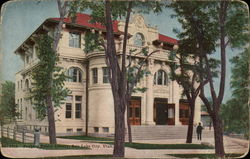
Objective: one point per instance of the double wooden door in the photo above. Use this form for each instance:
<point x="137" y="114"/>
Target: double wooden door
<point x="135" y="111"/>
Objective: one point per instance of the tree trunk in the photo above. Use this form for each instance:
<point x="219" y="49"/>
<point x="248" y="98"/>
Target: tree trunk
<point x="119" y="150"/>
<point x="190" y="123"/>
<point x="51" y="120"/>
<point x="118" y="85"/>
<point x="218" y="136"/>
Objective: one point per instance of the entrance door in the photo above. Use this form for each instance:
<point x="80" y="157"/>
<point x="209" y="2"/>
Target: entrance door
<point x="135" y="111"/>
<point x="184" y="112"/>
<point x="161" y="111"/>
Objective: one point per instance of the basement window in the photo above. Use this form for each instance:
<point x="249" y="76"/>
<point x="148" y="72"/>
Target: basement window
<point x="79" y="130"/>
<point x="96" y="129"/>
<point x="105" y="129"/>
<point x="69" y="130"/>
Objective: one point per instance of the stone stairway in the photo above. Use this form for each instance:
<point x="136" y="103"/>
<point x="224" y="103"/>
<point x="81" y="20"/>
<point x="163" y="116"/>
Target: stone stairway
<point x="158" y="132"/>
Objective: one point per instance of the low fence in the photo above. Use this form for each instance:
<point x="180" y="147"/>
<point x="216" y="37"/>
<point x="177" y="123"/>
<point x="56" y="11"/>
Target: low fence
<point x="21" y="135"/>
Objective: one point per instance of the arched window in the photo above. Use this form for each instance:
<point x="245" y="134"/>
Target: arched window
<point x="139" y="39"/>
<point x="160" y="78"/>
<point x="75" y="74"/>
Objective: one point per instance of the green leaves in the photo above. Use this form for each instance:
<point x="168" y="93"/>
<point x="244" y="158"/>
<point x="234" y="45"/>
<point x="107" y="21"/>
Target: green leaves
<point x="234" y="112"/>
<point x="48" y="78"/>
<point x="237" y="25"/>
<point x="92" y="42"/>
<point x="8" y="108"/>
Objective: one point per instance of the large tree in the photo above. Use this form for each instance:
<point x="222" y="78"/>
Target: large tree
<point x="48" y="83"/>
<point x="51" y="69"/>
<point x="234" y="114"/>
<point x="8" y="107"/>
<point x="106" y="12"/>
<point x="184" y="68"/>
<point x="223" y="22"/>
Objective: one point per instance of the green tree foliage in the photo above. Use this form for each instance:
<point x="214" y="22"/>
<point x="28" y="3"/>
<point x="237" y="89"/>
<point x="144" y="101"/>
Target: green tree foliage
<point x="214" y="26"/>
<point x="43" y="83"/>
<point x="8" y="107"/>
<point x="105" y="12"/>
<point x="185" y="65"/>
<point x="235" y="112"/>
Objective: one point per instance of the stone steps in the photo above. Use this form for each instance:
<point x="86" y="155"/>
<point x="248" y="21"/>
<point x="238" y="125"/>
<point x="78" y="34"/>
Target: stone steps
<point x="144" y="132"/>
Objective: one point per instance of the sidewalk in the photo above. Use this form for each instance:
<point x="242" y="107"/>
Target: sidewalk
<point x="232" y="145"/>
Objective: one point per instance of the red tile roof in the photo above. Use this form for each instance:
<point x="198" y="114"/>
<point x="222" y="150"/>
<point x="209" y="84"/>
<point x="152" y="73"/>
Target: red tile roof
<point x="83" y="20"/>
<point x="167" y="39"/>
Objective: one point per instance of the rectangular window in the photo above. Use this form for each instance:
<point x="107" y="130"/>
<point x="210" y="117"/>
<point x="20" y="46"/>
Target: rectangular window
<point x="96" y="129"/>
<point x="69" y="98"/>
<point x="27" y="59"/>
<point x="69" y="130"/>
<point x="105" y="72"/>
<point x="95" y="75"/>
<point x="79" y="130"/>
<point x="74" y="40"/>
<point x="78" y="98"/>
<point x="105" y="129"/>
<point x="68" y="110"/>
<point x="78" y="110"/>
<point x="21" y="84"/>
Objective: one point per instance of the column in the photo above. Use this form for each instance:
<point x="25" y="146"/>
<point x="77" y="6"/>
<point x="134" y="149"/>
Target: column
<point x="149" y="95"/>
<point x="176" y="92"/>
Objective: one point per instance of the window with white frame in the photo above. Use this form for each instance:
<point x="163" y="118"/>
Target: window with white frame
<point x="75" y="74"/>
<point x="78" y="106"/>
<point x="160" y="78"/>
<point x="74" y="40"/>
<point x="68" y="110"/>
<point x="105" y="75"/>
<point x="68" y="107"/>
<point x="95" y="75"/>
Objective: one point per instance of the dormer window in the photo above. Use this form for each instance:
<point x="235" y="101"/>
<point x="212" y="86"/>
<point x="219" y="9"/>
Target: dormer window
<point x="139" y="39"/>
<point x="74" y="40"/>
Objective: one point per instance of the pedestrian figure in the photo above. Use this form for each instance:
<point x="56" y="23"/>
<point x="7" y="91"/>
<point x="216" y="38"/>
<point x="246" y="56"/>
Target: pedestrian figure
<point x="199" y="131"/>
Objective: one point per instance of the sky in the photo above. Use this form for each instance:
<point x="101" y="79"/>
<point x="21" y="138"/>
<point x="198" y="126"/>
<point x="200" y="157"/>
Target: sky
<point x="20" y="18"/>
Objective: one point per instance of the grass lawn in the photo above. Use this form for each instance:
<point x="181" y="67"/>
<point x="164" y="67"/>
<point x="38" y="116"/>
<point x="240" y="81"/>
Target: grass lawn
<point x="167" y="146"/>
<point x="79" y="157"/>
<point x="6" y="142"/>
<point x="163" y="146"/>
<point x="87" y="138"/>
<point x="204" y="156"/>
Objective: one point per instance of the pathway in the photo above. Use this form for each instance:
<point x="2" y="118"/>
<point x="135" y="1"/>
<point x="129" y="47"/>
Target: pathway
<point x="231" y="146"/>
